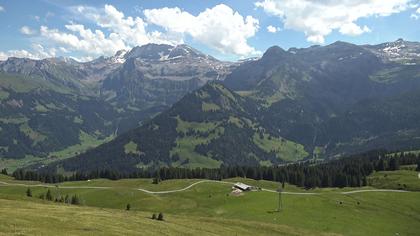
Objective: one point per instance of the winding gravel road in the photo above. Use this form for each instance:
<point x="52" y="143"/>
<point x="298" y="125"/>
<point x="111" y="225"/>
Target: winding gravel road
<point x="186" y="188"/>
<point x="192" y="185"/>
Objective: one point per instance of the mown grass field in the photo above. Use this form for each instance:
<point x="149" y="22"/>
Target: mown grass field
<point x="208" y="208"/>
<point x="401" y="179"/>
<point x="39" y="218"/>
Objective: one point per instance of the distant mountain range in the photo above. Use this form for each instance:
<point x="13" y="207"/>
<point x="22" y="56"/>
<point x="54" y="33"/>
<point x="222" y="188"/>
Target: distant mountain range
<point x="47" y="106"/>
<point x="317" y="102"/>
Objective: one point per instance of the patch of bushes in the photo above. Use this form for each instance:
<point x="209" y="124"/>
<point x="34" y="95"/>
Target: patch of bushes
<point x="158" y="217"/>
<point x="74" y="199"/>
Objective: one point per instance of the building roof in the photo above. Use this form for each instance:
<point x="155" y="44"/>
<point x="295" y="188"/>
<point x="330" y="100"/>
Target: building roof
<point x="242" y="186"/>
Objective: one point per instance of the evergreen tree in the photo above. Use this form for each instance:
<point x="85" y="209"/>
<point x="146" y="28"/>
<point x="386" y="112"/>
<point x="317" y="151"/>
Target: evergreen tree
<point x="381" y="165"/>
<point x="160" y="216"/>
<point x="128" y="207"/>
<point x="394" y="164"/>
<point x="28" y="192"/>
<point x="75" y="200"/>
<point x="154" y="216"/>
<point x="4" y="171"/>
<point x="48" y="196"/>
<point x="418" y="165"/>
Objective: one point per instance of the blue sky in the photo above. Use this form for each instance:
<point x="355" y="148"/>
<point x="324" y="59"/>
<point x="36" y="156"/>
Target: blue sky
<point x="228" y="30"/>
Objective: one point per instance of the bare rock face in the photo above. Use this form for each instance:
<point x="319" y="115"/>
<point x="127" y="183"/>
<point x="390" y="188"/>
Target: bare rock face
<point x="400" y="51"/>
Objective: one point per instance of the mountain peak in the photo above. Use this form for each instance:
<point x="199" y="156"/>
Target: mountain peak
<point x="341" y="44"/>
<point x="149" y="51"/>
<point x="400" y="40"/>
<point x="162" y="52"/>
<point x="274" y="52"/>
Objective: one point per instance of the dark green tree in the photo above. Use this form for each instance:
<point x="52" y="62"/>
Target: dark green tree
<point x="381" y="165"/>
<point x="160" y="216"/>
<point x="75" y="200"/>
<point x="128" y="207"/>
<point x="48" y="196"/>
<point x="28" y="192"/>
<point x="394" y="164"/>
<point x="154" y="216"/>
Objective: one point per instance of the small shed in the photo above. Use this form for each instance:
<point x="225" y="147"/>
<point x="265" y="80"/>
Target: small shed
<point x="242" y="186"/>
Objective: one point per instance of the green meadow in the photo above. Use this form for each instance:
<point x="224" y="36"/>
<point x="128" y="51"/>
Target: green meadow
<point x="208" y="208"/>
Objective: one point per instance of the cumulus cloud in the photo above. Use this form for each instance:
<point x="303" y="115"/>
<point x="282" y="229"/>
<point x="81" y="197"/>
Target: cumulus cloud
<point x="318" y="18"/>
<point x="416" y="15"/>
<point x="37" y="52"/>
<point x="219" y="27"/>
<point x="125" y="32"/>
<point x="83" y="40"/>
<point x="2" y="8"/>
<point x="111" y="30"/>
<point x="273" y="29"/>
<point x="27" y="31"/>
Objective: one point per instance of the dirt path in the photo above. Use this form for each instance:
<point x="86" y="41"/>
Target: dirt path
<point x="192" y="185"/>
<point x="284" y="192"/>
<point x="183" y="189"/>
<point x="53" y="186"/>
<point x="375" y="190"/>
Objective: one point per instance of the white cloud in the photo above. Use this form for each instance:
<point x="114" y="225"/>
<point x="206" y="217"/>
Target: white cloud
<point x="27" y="31"/>
<point x="318" y="18"/>
<point x="125" y="33"/>
<point x="84" y="40"/>
<point x="110" y="30"/>
<point x="273" y="29"/>
<point x="37" y="52"/>
<point x="2" y="9"/>
<point x="82" y="59"/>
<point x="219" y="27"/>
<point x="353" y="29"/>
<point x="16" y="53"/>
<point x="416" y="15"/>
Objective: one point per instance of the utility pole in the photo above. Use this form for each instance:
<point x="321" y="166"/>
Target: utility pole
<point x="280" y="203"/>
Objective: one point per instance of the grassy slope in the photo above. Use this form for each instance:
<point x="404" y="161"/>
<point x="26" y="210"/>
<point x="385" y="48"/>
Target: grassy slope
<point x="26" y="218"/>
<point x="185" y="146"/>
<point x="284" y="149"/>
<point x="377" y="213"/>
<point x="86" y="141"/>
<point x="402" y="179"/>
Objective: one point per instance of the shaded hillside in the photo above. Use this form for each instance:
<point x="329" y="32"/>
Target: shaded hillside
<point x="207" y="128"/>
<point x="319" y="102"/>
<point x="303" y="92"/>
<point x="47" y="105"/>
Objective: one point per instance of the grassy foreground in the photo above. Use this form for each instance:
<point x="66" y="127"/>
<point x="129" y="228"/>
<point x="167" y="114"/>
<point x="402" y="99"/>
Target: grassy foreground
<point x="208" y="209"/>
<point x="401" y="179"/>
<point x="30" y="218"/>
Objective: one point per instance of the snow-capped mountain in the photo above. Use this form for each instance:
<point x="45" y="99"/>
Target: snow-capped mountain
<point x="400" y="51"/>
<point x="181" y="62"/>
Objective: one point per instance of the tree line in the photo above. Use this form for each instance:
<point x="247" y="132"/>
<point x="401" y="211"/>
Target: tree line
<point x="74" y="200"/>
<point x="344" y="172"/>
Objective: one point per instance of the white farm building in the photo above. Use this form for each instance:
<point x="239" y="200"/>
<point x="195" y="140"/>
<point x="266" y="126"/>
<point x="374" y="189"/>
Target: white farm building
<point x="242" y="187"/>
